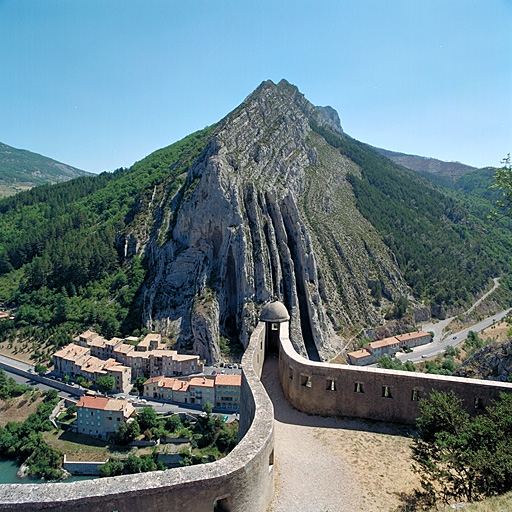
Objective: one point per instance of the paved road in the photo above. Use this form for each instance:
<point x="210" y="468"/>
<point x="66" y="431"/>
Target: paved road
<point x="159" y="406"/>
<point x="438" y="327"/>
<point x="440" y="343"/>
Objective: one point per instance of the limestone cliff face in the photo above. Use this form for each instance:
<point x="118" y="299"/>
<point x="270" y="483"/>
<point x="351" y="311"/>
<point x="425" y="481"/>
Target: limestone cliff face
<point x="492" y="362"/>
<point x="266" y="213"/>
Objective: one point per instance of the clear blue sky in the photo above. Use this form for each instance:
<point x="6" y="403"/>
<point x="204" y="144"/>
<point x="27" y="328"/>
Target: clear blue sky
<point x="99" y="84"/>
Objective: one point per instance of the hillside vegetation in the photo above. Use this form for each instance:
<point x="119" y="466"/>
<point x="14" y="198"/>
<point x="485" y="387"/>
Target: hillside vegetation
<point x="21" y="170"/>
<point x="62" y="257"/>
<point x="284" y="206"/>
<point x="446" y="248"/>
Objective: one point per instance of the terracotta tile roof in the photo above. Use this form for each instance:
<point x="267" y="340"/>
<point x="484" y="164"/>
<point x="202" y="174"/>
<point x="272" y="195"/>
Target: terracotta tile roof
<point x="162" y="353"/>
<point x="138" y="355"/>
<point x="88" y="335"/>
<point x="72" y="352"/>
<point x="154" y="380"/>
<point x="185" y="357"/>
<point x="93" y="402"/>
<point x="124" y="348"/>
<point x="106" y="404"/>
<point x="96" y="341"/>
<point x="386" y="342"/>
<point x="229" y="379"/>
<point x="358" y="354"/>
<point x="113" y="342"/>
<point x="180" y="385"/>
<point x="92" y="365"/>
<point x="168" y="382"/>
<point x="412" y="335"/>
<point x="202" y="382"/>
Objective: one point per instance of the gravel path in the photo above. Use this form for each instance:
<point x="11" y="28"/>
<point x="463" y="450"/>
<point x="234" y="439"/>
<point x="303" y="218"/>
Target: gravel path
<point x="334" y="464"/>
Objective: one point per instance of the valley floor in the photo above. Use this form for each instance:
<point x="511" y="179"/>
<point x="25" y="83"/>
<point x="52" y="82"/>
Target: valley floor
<point x="336" y="464"/>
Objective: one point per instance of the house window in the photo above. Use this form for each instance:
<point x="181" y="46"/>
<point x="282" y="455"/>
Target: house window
<point x="275" y="327"/>
<point x="386" y="392"/>
<point x="358" y="387"/>
<point x="331" y="385"/>
<point x="478" y="403"/>
<point x="415" y="395"/>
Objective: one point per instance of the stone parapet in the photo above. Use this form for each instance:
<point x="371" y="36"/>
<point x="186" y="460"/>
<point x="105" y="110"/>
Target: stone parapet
<point x="371" y="393"/>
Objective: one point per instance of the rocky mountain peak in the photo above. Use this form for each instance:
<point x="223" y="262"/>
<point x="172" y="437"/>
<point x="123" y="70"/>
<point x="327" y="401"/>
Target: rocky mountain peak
<point x="266" y="212"/>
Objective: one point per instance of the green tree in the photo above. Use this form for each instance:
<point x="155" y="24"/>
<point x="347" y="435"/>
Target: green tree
<point x="40" y="369"/>
<point x="126" y="432"/>
<point x="459" y="457"/>
<point x="207" y="408"/>
<point x="147" y="418"/>
<point x="139" y="384"/>
<point x="173" y="423"/>
<point x="105" y="383"/>
<point x="440" y="450"/>
<point x="503" y="182"/>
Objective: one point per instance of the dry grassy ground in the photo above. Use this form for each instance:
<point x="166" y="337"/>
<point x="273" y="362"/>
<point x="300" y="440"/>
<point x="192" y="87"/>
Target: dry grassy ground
<point x="19" y="409"/>
<point x="17" y="351"/>
<point x="496" y="332"/>
<point x="336" y="464"/>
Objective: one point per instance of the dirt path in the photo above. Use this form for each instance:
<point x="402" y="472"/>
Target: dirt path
<point x="335" y="464"/>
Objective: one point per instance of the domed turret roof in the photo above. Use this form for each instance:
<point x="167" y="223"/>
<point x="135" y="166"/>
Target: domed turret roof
<point x="274" y="312"/>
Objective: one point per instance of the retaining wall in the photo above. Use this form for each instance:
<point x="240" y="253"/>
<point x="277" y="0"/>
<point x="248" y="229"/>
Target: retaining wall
<point x="82" y="468"/>
<point x="372" y="393"/>
<point x="43" y="380"/>
<point x="240" y="482"/>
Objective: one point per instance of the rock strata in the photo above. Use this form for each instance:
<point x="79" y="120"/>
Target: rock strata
<point x="266" y="212"/>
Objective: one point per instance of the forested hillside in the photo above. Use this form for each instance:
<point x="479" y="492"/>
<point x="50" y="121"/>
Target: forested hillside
<point x="61" y="261"/>
<point x="268" y="206"/>
<point x="446" y="248"/>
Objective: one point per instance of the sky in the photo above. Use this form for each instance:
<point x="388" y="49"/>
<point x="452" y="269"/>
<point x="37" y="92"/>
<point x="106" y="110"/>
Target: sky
<point x="101" y="84"/>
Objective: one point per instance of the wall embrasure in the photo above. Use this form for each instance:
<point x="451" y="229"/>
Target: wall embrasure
<point x="371" y="393"/>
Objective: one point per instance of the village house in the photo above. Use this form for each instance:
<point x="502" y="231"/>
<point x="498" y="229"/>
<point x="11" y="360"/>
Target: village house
<point x="360" y="357"/>
<point x="147" y="359"/>
<point x="75" y="361"/>
<point x="66" y="361"/>
<point x="152" y="341"/>
<point x="92" y="356"/>
<point x="227" y="391"/>
<point x="98" y="416"/>
<point x="221" y="391"/>
<point x="387" y="346"/>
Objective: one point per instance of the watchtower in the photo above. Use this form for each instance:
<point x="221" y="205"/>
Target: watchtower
<point x="273" y="314"/>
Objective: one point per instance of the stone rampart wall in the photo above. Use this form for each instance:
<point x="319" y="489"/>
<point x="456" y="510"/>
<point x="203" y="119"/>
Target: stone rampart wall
<point x="240" y="482"/>
<point x="372" y="393"/>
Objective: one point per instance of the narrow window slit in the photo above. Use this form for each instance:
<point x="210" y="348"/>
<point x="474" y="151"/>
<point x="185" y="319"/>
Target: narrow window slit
<point x="305" y="381"/>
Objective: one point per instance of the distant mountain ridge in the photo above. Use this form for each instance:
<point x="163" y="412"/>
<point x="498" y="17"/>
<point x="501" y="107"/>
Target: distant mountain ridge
<point x="275" y="201"/>
<point x="21" y="169"/>
<point x="450" y="170"/>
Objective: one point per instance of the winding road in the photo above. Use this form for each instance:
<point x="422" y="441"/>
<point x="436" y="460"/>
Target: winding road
<point x="441" y="342"/>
